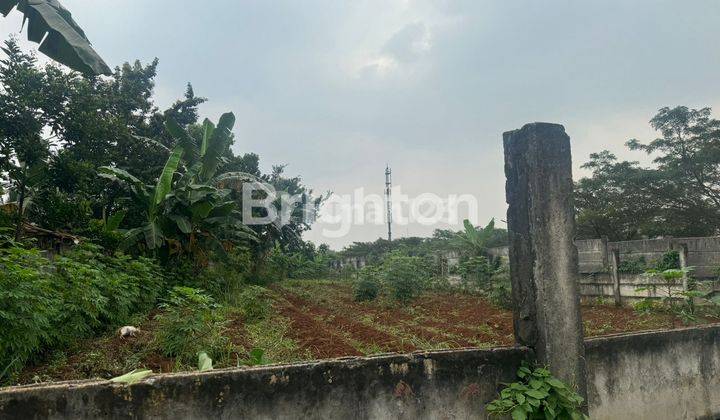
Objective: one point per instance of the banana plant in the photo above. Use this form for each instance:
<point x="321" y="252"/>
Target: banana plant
<point x="148" y="197"/>
<point x="473" y="239"/>
<point x="186" y="209"/>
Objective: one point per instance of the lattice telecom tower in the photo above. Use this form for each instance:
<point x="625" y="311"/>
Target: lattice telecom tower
<point x="388" y="200"/>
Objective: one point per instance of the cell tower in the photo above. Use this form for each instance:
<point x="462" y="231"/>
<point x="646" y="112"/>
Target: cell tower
<point x="388" y="200"/>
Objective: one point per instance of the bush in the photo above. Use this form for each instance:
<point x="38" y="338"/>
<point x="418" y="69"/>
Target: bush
<point x="669" y="261"/>
<point x="224" y="280"/>
<point x="476" y="272"/>
<point x="367" y="287"/>
<point x="537" y="395"/>
<point x="631" y="265"/>
<point x="646" y="306"/>
<point x="49" y="305"/>
<point x="30" y="305"/>
<point x="500" y="291"/>
<point x="190" y="323"/>
<point x="406" y="276"/>
<point x="254" y="303"/>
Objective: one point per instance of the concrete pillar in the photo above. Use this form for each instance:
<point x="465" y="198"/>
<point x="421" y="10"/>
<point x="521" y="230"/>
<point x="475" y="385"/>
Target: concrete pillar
<point x="683" y="252"/>
<point x="615" y="275"/>
<point x="605" y="256"/>
<point x="543" y="256"/>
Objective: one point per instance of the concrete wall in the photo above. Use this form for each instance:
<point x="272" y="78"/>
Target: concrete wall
<point x="654" y="375"/>
<point x="438" y="385"/>
<point x="703" y="253"/>
<point x="600" y="285"/>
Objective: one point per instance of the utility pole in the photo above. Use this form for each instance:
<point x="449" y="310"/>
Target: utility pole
<point x="388" y="193"/>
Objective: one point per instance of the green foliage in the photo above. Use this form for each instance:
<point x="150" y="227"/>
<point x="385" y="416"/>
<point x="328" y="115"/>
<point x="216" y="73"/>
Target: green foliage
<point x="190" y="322"/>
<point x="633" y="265"/>
<point x="367" y="287"/>
<point x="254" y="302"/>
<point x="500" y="292"/>
<point x="679" y="195"/>
<point x="257" y="358"/>
<point x="58" y="210"/>
<point x="66" y="42"/>
<point x="224" y="279"/>
<point x="475" y="241"/>
<point x="47" y="305"/>
<point x="191" y="212"/>
<point x="669" y="261"/>
<point x="646" y="306"/>
<point x="476" y="272"/>
<point x="537" y="395"/>
<point x="406" y="276"/>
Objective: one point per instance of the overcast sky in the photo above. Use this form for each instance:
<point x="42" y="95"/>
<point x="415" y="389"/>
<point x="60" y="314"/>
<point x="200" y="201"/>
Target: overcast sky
<point x="335" y="89"/>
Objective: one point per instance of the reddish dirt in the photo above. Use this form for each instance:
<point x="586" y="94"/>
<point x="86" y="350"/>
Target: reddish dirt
<point x="314" y="335"/>
<point x="449" y="319"/>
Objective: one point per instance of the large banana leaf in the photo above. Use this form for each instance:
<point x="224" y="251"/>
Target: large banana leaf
<point x="138" y="188"/>
<point x="184" y="140"/>
<point x="216" y="145"/>
<point x="164" y="184"/>
<point x="65" y="42"/>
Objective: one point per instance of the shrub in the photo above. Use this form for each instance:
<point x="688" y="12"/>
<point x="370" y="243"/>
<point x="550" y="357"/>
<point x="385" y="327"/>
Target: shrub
<point x="224" y="280"/>
<point x="30" y="305"/>
<point x="49" y="305"/>
<point x="500" y="291"/>
<point x="646" y="306"/>
<point x="476" y="272"/>
<point x="537" y="395"/>
<point x="367" y="287"/>
<point x="406" y="276"/>
<point x="254" y="303"/>
<point x="669" y="261"/>
<point x="633" y="265"/>
<point x="190" y="323"/>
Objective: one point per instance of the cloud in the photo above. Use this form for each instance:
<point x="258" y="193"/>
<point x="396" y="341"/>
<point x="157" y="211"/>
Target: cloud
<point x="409" y="43"/>
<point x="398" y="54"/>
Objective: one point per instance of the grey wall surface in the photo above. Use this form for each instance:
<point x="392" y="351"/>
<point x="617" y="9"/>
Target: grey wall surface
<point x="445" y="384"/>
<point x="703" y="253"/>
<point x="654" y="375"/>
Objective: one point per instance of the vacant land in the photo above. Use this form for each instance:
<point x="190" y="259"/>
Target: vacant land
<point x="320" y="319"/>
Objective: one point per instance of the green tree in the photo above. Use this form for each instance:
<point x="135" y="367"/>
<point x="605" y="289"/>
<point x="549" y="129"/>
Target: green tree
<point x="23" y="149"/>
<point x="678" y="195"/>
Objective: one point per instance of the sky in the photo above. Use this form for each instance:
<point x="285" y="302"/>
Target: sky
<point x="338" y="89"/>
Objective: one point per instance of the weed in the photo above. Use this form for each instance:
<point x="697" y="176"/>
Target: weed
<point x="537" y="394"/>
<point x="190" y="323"/>
<point x="254" y="303"/>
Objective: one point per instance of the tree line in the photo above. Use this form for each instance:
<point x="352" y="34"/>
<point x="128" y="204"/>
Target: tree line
<point x="677" y="195"/>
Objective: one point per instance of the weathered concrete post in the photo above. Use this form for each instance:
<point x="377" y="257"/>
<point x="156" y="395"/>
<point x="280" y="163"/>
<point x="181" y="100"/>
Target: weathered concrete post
<point x="683" y="252"/>
<point x="543" y="256"/>
<point x="615" y="275"/>
<point x="605" y="256"/>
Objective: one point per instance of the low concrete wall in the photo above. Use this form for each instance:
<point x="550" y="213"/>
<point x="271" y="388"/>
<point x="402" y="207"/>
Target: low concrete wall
<point x="435" y="385"/>
<point x="635" y="287"/>
<point x="653" y="375"/>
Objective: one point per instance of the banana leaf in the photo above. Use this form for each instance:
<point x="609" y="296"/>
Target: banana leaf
<point x="164" y="184"/>
<point x="65" y="42"/>
<point x="221" y="137"/>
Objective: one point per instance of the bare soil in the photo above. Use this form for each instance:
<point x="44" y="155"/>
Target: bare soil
<point x="324" y="321"/>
